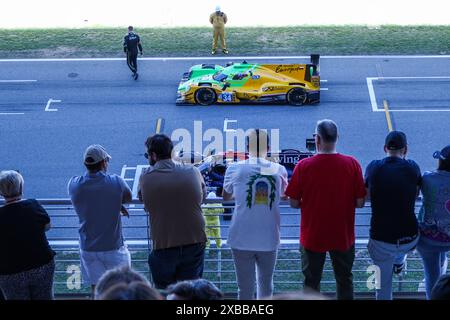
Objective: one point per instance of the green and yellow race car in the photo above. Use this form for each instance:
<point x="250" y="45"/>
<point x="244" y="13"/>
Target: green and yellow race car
<point x="245" y="83"/>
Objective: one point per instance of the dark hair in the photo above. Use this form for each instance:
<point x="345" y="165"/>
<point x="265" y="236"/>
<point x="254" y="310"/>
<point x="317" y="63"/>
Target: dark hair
<point x="130" y="28"/>
<point x="444" y="165"/>
<point x="258" y="134"/>
<point x="137" y="290"/>
<point x="327" y="130"/>
<point x="110" y="278"/>
<point x="94" y="168"/>
<point x="161" y="145"/>
<point x="200" y="289"/>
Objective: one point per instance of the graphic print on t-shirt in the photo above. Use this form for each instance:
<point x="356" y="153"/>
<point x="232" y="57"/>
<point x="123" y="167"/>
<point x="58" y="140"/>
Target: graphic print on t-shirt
<point x="260" y="183"/>
<point x="262" y="193"/>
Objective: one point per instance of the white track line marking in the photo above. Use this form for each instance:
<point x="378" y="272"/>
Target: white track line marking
<point x="416" y="110"/>
<point x="233" y="58"/>
<point x="50" y="101"/>
<point x="137" y="176"/>
<point x="412" y="78"/>
<point x="323" y="89"/>
<point x="225" y="125"/>
<point x="373" y="99"/>
<point x="16" y="81"/>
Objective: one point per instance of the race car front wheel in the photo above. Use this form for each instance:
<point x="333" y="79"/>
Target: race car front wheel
<point x="296" y="96"/>
<point x="205" y="96"/>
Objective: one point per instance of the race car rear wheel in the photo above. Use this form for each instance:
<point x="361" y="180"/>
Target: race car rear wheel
<point x="205" y="96"/>
<point x="296" y="96"/>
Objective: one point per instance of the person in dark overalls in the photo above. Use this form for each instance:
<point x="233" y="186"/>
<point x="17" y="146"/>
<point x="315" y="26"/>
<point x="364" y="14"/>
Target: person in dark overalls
<point x="131" y="45"/>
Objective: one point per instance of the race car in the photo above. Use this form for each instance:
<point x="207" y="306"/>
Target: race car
<point x="213" y="167"/>
<point x="245" y="83"/>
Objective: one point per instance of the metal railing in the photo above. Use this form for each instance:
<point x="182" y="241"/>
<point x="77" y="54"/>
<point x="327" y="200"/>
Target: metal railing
<point x="219" y="267"/>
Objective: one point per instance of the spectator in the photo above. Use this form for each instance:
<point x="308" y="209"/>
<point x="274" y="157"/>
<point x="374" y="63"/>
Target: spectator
<point x="441" y="290"/>
<point x="327" y="187"/>
<point x="212" y="218"/>
<point x="434" y="241"/>
<point x="27" y="264"/>
<point x="173" y="194"/>
<point x="393" y="185"/>
<point x="131" y="291"/>
<point x="97" y="198"/>
<point x="254" y="235"/>
<point x="200" y="289"/>
<point x="122" y="274"/>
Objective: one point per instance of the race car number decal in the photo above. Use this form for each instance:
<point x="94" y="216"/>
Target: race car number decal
<point x="226" y="97"/>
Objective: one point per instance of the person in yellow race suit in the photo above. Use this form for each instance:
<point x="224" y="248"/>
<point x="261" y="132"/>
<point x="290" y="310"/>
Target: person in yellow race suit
<point x="218" y="19"/>
<point x="212" y="219"/>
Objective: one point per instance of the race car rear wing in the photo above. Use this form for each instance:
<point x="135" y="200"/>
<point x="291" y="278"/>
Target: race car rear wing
<point x="315" y="60"/>
<point x="303" y="72"/>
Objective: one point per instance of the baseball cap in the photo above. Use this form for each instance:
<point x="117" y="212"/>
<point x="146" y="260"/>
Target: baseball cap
<point x="444" y="154"/>
<point x="395" y="140"/>
<point x="97" y="153"/>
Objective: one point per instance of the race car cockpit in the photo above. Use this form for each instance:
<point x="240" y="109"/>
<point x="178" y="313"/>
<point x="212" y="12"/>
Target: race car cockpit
<point x="240" y="76"/>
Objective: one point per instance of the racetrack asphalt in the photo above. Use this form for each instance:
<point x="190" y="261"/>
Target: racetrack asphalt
<point x="100" y="103"/>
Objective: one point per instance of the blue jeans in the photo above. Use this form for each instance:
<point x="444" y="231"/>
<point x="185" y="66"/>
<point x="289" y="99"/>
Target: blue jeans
<point x="433" y="257"/>
<point x="171" y="265"/>
<point x="385" y="255"/>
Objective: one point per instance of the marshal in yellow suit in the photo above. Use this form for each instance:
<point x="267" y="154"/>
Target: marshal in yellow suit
<point x="218" y="19"/>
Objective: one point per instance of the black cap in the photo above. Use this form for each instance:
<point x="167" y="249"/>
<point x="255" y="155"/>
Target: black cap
<point x="444" y="154"/>
<point x="441" y="290"/>
<point x="395" y="140"/>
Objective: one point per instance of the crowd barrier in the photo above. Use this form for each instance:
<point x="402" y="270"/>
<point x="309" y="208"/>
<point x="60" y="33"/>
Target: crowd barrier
<point x="219" y="267"/>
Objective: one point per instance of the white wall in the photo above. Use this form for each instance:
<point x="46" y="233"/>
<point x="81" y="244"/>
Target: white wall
<point x="164" y="13"/>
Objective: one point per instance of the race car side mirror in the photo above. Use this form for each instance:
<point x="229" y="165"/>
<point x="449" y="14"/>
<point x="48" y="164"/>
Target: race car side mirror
<point x="225" y="86"/>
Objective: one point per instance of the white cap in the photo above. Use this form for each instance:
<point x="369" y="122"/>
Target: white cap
<point x="211" y="195"/>
<point x="217" y="8"/>
<point x="96" y="153"/>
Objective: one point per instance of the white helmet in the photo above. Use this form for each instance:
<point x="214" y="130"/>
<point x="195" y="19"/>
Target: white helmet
<point x="217" y="8"/>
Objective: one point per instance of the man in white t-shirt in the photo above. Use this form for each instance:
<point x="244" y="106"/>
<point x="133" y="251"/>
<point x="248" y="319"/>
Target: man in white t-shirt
<point x="257" y="186"/>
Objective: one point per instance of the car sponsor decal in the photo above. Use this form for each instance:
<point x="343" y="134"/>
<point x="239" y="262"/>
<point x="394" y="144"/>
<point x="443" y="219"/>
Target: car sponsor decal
<point x="287" y="68"/>
<point x="256" y="77"/>
<point x="272" y="88"/>
<point x="227" y="97"/>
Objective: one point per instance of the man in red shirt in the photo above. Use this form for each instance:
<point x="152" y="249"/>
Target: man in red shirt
<point x="327" y="188"/>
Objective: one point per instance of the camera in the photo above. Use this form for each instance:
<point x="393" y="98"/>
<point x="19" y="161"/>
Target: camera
<point x="311" y="145"/>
